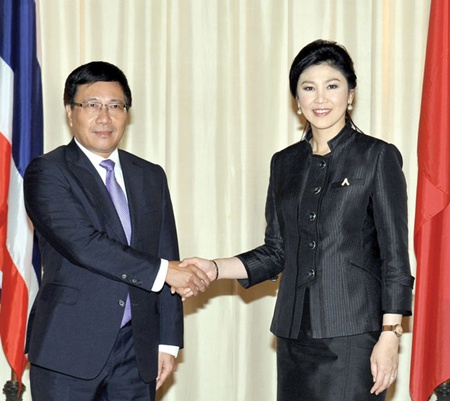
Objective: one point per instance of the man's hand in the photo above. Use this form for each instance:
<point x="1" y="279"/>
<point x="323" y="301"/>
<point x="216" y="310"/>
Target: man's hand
<point x="208" y="266"/>
<point x="187" y="279"/>
<point x="166" y="366"/>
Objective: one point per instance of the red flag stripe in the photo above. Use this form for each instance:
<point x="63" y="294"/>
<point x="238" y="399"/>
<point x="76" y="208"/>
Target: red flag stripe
<point x="14" y="306"/>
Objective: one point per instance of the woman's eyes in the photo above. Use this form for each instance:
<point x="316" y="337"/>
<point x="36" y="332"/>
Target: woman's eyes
<point x="311" y="88"/>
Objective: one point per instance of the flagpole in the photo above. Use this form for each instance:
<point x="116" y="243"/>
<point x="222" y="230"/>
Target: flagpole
<point x="11" y="389"/>
<point x="443" y="391"/>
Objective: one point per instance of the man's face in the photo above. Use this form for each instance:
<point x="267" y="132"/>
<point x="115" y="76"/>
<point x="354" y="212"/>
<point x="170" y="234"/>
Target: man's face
<point x="98" y="131"/>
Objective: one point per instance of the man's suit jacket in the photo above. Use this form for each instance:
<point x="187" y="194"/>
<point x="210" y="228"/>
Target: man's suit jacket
<point x="358" y="268"/>
<point x="88" y="268"/>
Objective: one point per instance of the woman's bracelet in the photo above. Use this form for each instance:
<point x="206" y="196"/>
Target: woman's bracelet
<point x="217" y="269"/>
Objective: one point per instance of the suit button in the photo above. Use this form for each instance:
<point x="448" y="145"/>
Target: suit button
<point x="121" y="302"/>
<point x="311" y="273"/>
<point x="312" y="216"/>
<point x="124" y="276"/>
<point x="322" y="164"/>
<point x="317" y="190"/>
<point x="312" y="244"/>
<point x="134" y="281"/>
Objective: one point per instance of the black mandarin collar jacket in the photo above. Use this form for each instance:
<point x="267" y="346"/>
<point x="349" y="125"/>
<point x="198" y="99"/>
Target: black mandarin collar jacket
<point x="336" y="224"/>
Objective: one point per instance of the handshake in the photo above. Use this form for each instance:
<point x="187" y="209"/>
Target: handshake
<point x="190" y="276"/>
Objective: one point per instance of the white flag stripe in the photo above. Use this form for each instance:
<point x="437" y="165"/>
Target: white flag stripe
<point x="6" y="99"/>
<point x="19" y="240"/>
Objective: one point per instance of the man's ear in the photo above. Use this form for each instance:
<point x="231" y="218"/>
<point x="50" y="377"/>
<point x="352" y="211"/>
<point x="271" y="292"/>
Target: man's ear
<point x="69" y="114"/>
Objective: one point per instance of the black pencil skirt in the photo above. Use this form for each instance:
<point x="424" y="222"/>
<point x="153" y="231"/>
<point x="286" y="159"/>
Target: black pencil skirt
<point x="331" y="369"/>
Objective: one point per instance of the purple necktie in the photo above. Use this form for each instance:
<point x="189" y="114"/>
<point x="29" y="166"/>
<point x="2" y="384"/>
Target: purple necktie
<point x="120" y="203"/>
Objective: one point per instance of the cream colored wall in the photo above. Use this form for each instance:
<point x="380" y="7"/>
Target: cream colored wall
<point x="211" y="105"/>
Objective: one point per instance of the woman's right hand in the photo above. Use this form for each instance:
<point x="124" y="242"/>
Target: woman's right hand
<point x="208" y="266"/>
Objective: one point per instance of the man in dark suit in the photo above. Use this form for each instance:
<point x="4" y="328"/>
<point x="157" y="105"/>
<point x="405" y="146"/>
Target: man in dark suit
<point x="105" y="324"/>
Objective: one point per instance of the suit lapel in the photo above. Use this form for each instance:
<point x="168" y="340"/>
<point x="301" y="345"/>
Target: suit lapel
<point x="95" y="190"/>
<point x="134" y="182"/>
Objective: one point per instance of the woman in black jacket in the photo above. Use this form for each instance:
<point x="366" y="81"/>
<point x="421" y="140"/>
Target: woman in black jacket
<point x="336" y="216"/>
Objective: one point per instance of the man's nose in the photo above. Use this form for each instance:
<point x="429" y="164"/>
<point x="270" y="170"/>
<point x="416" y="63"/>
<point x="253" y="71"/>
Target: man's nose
<point x="103" y="114"/>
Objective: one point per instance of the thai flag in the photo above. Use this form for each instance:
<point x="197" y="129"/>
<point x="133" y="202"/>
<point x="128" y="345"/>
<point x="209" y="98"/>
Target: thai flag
<point x="21" y="126"/>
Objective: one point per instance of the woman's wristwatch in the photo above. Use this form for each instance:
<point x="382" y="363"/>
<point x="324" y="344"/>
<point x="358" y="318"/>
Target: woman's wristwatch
<point x="396" y="328"/>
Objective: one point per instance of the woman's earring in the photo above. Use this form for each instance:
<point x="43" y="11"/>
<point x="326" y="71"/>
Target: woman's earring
<point x="349" y="107"/>
<point x="299" y="111"/>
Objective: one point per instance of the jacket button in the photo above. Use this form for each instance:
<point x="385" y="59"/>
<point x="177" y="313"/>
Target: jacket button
<point x="124" y="276"/>
<point x="317" y="190"/>
<point x="311" y="273"/>
<point x="312" y="244"/>
<point x="121" y="302"/>
<point x="134" y="281"/>
<point x="322" y="164"/>
<point x="312" y="216"/>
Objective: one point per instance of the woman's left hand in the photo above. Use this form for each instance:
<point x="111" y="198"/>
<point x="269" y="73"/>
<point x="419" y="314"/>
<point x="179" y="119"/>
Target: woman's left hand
<point x="384" y="362"/>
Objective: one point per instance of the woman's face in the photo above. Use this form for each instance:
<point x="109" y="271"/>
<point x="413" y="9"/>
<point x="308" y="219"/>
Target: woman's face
<point x="323" y="96"/>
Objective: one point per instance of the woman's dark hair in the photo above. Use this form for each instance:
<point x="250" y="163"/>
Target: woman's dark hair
<point x="96" y="71"/>
<point x="319" y="52"/>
